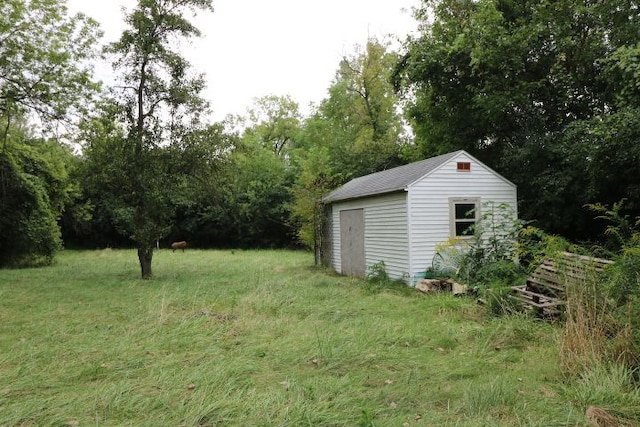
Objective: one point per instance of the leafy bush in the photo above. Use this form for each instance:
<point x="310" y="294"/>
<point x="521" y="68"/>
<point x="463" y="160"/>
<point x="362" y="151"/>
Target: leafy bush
<point x="504" y="272"/>
<point x="378" y="273"/>
<point x="621" y="231"/>
<point x="493" y="240"/>
<point x="488" y="259"/>
<point x="534" y="245"/>
<point x="493" y="284"/>
<point x="30" y="234"/>
<point x="378" y="279"/>
<point x="623" y="278"/>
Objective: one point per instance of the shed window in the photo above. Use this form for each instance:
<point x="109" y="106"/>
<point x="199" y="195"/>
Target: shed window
<point x="464" y="213"/>
<point x="464" y="166"/>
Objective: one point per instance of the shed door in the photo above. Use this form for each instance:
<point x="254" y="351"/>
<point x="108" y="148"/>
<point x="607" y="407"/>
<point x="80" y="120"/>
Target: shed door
<point x="352" y="242"/>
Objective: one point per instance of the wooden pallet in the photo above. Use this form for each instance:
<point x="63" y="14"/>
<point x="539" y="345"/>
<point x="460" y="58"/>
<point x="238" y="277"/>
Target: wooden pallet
<point x="544" y="290"/>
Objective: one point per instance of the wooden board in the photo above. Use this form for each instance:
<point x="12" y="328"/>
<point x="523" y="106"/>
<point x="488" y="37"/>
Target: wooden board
<point x="544" y="290"/>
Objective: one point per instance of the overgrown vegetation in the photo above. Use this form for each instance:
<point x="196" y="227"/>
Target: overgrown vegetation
<point x="551" y="87"/>
<point x="603" y="312"/>
<point x="378" y="280"/>
<point x="28" y="211"/>
<point x="600" y="320"/>
<point x="488" y="259"/>
<point x="263" y="338"/>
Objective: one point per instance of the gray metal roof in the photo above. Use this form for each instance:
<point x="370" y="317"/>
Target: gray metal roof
<point x="391" y="180"/>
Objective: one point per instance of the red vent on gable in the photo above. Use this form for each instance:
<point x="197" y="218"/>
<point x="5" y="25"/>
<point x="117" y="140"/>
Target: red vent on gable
<point x="464" y="166"/>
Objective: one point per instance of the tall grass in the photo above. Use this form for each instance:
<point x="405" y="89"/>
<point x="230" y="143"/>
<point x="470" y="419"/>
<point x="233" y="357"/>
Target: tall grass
<point x="589" y="323"/>
<point x="599" y="352"/>
<point x="262" y="338"/>
<point x="600" y="323"/>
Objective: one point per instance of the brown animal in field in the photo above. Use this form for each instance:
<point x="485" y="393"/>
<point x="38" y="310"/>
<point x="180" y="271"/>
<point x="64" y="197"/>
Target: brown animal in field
<point x="178" y="245"/>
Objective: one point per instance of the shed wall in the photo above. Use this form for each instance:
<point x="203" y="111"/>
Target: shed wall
<point x="428" y="201"/>
<point x="386" y="235"/>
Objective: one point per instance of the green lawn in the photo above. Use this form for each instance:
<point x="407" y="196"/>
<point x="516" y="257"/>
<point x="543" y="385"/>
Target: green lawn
<point x="263" y="338"/>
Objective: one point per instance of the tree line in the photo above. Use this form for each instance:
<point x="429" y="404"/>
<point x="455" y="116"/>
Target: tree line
<point x="545" y="92"/>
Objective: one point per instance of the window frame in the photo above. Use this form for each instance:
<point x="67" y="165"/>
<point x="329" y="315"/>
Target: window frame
<point x="463" y="167"/>
<point x="454" y="221"/>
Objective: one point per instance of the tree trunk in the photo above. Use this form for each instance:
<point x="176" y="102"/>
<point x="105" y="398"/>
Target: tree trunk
<point x="145" y="255"/>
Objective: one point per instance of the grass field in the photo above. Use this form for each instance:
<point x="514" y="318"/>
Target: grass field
<point x="263" y="338"/>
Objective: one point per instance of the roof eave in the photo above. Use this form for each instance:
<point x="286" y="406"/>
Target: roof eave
<point x="364" y="196"/>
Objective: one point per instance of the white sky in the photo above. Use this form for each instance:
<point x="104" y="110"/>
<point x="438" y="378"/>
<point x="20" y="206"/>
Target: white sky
<point x="253" y="48"/>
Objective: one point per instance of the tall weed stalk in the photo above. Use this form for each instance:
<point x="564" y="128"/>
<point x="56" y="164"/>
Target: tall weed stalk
<point x="588" y="326"/>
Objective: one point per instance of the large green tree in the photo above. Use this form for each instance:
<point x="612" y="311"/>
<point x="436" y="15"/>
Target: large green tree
<point x="44" y="81"/>
<point x="519" y="84"/>
<point x="273" y="122"/>
<point x="44" y="54"/>
<point x="361" y="111"/>
<point x="159" y="103"/>
<point x="245" y="201"/>
<point x="356" y="130"/>
<point x="255" y="198"/>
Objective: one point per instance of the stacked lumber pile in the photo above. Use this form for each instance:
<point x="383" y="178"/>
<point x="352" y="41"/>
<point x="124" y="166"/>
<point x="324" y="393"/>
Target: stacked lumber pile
<point x="544" y="290"/>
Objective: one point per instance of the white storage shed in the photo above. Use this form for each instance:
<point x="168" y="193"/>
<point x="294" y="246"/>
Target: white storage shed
<point x="398" y="216"/>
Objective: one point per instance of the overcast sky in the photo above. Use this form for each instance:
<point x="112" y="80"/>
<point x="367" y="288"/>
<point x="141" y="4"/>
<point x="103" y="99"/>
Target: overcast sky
<point x="253" y="48"/>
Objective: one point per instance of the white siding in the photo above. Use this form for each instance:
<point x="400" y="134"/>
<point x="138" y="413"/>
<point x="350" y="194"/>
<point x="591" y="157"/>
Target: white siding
<point x="428" y="201"/>
<point x="386" y="232"/>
